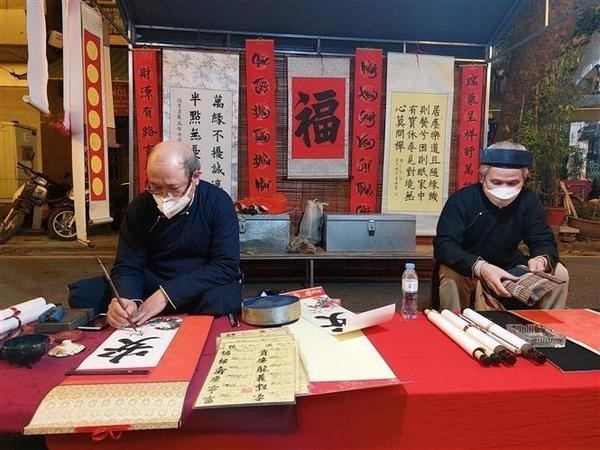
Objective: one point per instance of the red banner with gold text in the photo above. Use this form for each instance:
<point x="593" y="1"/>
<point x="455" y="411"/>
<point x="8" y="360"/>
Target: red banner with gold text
<point x="469" y="140"/>
<point x="366" y="126"/>
<point x="260" y="110"/>
<point x="147" y="107"/>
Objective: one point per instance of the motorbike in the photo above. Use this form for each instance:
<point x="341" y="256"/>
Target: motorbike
<point x="56" y="202"/>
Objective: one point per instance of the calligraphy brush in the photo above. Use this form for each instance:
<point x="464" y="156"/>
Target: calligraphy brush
<point x="115" y="292"/>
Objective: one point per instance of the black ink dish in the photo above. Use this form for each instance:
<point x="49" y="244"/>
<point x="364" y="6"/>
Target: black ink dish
<point x="25" y="350"/>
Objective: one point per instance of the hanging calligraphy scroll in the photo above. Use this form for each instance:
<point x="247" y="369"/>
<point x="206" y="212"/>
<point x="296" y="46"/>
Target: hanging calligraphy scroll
<point x="147" y="107"/>
<point x="367" y="122"/>
<point x="260" y="110"/>
<point x="318" y="99"/>
<point x="95" y="114"/>
<point x="210" y="123"/>
<point x="417" y="140"/>
<point x="469" y="136"/>
<point x="202" y="119"/>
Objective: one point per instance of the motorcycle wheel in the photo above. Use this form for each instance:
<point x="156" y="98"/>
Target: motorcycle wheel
<point x="11" y="224"/>
<point x="61" y="224"/>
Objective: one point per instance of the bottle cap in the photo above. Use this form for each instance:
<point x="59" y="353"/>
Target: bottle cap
<point x="409" y="265"/>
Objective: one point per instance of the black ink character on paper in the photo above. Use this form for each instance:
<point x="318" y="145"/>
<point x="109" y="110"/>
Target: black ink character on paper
<point x="364" y="188"/>
<point x="319" y="116"/>
<point x="260" y="111"/>
<point x="260" y="60"/>
<point x="362" y="209"/>
<point x="368" y="68"/>
<point x="472" y="80"/>
<point x="146" y="92"/>
<point x="218" y="103"/>
<point x="261" y="135"/>
<point x="365" y="141"/>
<point x="195" y="98"/>
<point x="366" y="118"/>
<point x="261" y="85"/>
<point x="261" y="160"/>
<point x="367" y="93"/>
<point x="129" y="347"/>
<point x="145" y="72"/>
<point x="335" y="321"/>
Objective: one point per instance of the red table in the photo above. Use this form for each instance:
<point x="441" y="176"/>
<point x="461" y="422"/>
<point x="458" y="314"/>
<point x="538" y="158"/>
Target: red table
<point x="449" y="401"/>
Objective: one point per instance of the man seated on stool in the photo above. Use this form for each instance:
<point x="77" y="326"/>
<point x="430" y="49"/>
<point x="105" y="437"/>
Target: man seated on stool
<point x="178" y="246"/>
<point x="480" y="229"/>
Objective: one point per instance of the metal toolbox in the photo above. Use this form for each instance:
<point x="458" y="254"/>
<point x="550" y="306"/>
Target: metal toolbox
<point x="264" y="233"/>
<point x="365" y="233"/>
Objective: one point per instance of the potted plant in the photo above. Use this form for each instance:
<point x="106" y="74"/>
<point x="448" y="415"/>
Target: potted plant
<point x="588" y="215"/>
<point x="544" y="130"/>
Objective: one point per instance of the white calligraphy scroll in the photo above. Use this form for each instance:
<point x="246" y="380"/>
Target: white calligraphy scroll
<point x="128" y="349"/>
<point x="73" y="105"/>
<point x="202" y="118"/>
<point x="37" y="63"/>
<point x="203" y="71"/>
<point x="417" y="74"/>
<point x="318" y="68"/>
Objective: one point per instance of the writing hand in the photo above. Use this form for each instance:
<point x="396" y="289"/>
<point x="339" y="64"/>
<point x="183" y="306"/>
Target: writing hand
<point x="493" y="276"/>
<point x="151" y="307"/>
<point x="537" y="264"/>
<point x="117" y="316"/>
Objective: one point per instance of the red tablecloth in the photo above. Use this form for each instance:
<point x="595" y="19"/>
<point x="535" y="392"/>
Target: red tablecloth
<point x="449" y="402"/>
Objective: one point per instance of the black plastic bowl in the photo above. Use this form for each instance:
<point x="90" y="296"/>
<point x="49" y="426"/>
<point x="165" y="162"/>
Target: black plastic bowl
<point x="25" y="350"/>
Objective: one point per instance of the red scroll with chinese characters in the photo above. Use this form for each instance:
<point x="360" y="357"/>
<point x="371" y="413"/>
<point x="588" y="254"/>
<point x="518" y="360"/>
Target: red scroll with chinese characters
<point x="469" y="140"/>
<point x="260" y="104"/>
<point x="367" y="123"/>
<point x="147" y="108"/>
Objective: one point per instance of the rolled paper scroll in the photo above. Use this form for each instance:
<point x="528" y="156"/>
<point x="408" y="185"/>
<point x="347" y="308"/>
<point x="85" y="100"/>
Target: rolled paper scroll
<point x="24" y="316"/>
<point x="466" y="342"/>
<point x="524" y="347"/>
<point x="485" y="339"/>
<point x="21" y="307"/>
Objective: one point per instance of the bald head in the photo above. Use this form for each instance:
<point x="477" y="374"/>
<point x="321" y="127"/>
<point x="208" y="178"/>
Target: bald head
<point x="172" y="164"/>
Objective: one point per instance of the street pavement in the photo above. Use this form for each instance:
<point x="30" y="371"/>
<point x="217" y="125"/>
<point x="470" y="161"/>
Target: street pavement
<point x="31" y="265"/>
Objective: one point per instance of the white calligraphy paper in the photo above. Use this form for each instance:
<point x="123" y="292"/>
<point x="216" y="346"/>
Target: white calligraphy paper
<point x="335" y="319"/>
<point x="128" y="349"/>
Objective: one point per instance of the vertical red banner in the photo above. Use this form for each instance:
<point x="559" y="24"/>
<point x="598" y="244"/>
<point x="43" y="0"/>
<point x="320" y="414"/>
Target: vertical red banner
<point x="147" y="107"/>
<point x="366" y="129"/>
<point x="94" y="108"/>
<point x="469" y="138"/>
<point x="260" y="110"/>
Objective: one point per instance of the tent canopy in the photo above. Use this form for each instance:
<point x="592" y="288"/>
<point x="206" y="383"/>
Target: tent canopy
<point x="462" y="28"/>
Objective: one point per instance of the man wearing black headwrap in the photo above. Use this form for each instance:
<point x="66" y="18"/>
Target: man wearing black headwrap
<point x="481" y="227"/>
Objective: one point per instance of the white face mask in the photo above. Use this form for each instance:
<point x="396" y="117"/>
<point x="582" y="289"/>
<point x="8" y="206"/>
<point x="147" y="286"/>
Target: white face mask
<point x="170" y="206"/>
<point x="501" y="196"/>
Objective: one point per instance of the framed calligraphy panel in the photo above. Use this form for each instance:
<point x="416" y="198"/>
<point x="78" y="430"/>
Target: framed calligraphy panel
<point x="318" y="104"/>
<point x="419" y="95"/>
<point x="207" y="73"/>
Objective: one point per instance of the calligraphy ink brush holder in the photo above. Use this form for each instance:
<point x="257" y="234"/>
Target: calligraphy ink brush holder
<point x="25" y="350"/>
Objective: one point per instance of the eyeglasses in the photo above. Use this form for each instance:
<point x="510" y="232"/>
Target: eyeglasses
<point x="169" y="191"/>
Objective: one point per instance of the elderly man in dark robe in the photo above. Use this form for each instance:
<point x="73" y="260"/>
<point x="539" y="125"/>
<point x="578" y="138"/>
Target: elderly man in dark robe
<point x="178" y="245"/>
<point x="480" y="229"/>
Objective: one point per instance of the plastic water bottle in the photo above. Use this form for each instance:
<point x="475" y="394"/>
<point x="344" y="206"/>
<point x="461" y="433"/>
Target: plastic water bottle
<point x="410" y="292"/>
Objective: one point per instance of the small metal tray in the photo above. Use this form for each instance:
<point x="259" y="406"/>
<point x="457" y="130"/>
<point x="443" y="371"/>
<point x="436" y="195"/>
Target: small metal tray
<point x="537" y="335"/>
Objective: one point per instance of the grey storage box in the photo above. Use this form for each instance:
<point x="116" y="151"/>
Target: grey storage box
<point x="264" y="233"/>
<point x="366" y="233"/>
<point x="70" y="321"/>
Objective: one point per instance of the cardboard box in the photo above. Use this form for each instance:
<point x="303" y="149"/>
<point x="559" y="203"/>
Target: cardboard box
<point x="264" y="233"/>
<point x="365" y="233"/>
